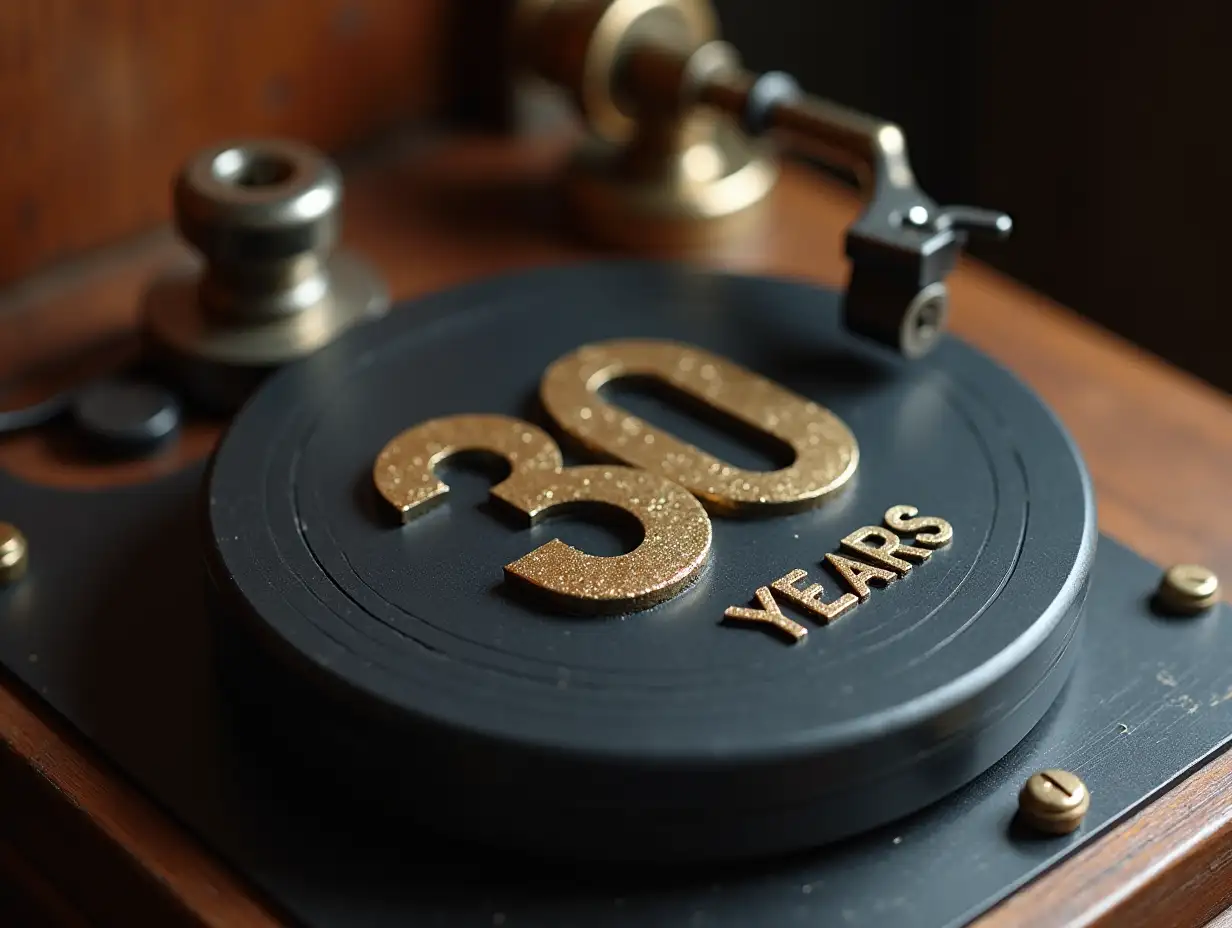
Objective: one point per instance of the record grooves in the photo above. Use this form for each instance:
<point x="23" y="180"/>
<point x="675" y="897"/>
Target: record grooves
<point x="395" y="653"/>
<point x="388" y="651"/>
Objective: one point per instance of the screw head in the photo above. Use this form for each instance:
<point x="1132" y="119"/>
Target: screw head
<point x="1054" y="801"/>
<point x="1188" y="589"/>
<point x="13" y="554"/>
<point x="924" y="320"/>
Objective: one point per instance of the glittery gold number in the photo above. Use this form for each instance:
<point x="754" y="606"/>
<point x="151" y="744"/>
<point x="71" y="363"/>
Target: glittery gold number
<point x="676" y="529"/>
<point x="825" y="451"/>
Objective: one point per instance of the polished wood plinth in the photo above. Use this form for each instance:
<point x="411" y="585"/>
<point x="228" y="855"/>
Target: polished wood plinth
<point x="80" y="845"/>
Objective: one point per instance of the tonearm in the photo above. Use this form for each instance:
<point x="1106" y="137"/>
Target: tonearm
<point x="677" y="152"/>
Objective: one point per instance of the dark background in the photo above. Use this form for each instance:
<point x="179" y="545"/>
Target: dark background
<point x="1100" y="127"/>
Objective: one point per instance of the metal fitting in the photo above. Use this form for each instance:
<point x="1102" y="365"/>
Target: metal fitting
<point x="14" y="554"/>
<point x="1054" y="801"/>
<point x="677" y="155"/>
<point x="1187" y="589"/>
<point x="658" y="169"/>
<point x="264" y="215"/>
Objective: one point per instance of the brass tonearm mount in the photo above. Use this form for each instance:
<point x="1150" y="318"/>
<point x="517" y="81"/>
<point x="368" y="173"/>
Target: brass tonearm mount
<point x="677" y="153"/>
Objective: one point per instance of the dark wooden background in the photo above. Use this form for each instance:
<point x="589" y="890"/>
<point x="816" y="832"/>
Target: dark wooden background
<point x="101" y="100"/>
<point x="1097" y="125"/>
<point x="1102" y="127"/>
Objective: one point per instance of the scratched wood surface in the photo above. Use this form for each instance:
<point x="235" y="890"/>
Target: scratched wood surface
<point x="436" y="212"/>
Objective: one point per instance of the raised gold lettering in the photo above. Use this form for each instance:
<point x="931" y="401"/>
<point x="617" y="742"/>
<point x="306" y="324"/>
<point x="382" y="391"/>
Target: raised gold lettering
<point x="809" y="599"/>
<point x="768" y="614"/>
<point x="873" y="543"/>
<point x="857" y="574"/>
<point x="676" y="529"/>
<point x="403" y="472"/>
<point x="884" y="552"/>
<point x="824" y="450"/>
<point x="902" y="519"/>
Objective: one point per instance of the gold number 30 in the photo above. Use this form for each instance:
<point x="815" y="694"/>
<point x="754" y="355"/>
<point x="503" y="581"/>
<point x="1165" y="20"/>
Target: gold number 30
<point x="825" y="451"/>
<point x="661" y="491"/>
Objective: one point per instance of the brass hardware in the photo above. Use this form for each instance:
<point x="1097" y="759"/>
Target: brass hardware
<point x="1054" y="802"/>
<point x="14" y="554"/>
<point x="674" y="154"/>
<point x="656" y="170"/>
<point x="825" y="452"/>
<point x="676" y="529"/>
<point x="1188" y="589"/>
<point x="264" y="215"/>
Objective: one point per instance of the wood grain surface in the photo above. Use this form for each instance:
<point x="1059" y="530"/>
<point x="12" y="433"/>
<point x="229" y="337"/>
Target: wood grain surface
<point x="77" y="830"/>
<point x="435" y="212"/>
<point x="100" y="100"/>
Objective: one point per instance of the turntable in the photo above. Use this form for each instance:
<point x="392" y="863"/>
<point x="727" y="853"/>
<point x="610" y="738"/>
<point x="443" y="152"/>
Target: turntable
<point x="617" y="591"/>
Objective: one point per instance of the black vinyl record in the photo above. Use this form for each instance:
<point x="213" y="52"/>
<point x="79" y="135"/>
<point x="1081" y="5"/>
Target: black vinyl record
<point x="398" y="659"/>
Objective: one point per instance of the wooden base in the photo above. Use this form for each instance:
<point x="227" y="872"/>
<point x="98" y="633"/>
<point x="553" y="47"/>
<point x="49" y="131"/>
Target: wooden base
<point x="432" y="213"/>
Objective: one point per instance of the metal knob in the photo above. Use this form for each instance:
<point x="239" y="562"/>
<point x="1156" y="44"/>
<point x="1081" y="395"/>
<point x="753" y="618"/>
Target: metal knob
<point x="264" y="216"/>
<point x="655" y="170"/>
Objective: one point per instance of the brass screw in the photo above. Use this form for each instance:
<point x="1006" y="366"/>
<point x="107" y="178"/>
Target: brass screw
<point x="1054" y="801"/>
<point x="13" y="553"/>
<point x="1188" y="589"/>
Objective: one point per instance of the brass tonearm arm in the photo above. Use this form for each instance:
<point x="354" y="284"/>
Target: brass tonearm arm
<point x="901" y="247"/>
<point x="645" y="73"/>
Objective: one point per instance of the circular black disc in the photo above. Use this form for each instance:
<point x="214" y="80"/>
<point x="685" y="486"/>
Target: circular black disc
<point x="395" y="656"/>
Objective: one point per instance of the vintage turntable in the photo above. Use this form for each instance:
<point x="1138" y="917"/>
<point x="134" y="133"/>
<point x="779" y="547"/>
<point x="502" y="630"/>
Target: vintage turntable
<point x="621" y="592"/>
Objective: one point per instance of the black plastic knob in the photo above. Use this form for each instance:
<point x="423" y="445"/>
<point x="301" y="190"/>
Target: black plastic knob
<point x="126" y="417"/>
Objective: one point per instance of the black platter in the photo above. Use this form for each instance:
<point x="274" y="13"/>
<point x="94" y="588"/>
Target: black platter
<point x="395" y="653"/>
<point x="304" y="564"/>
